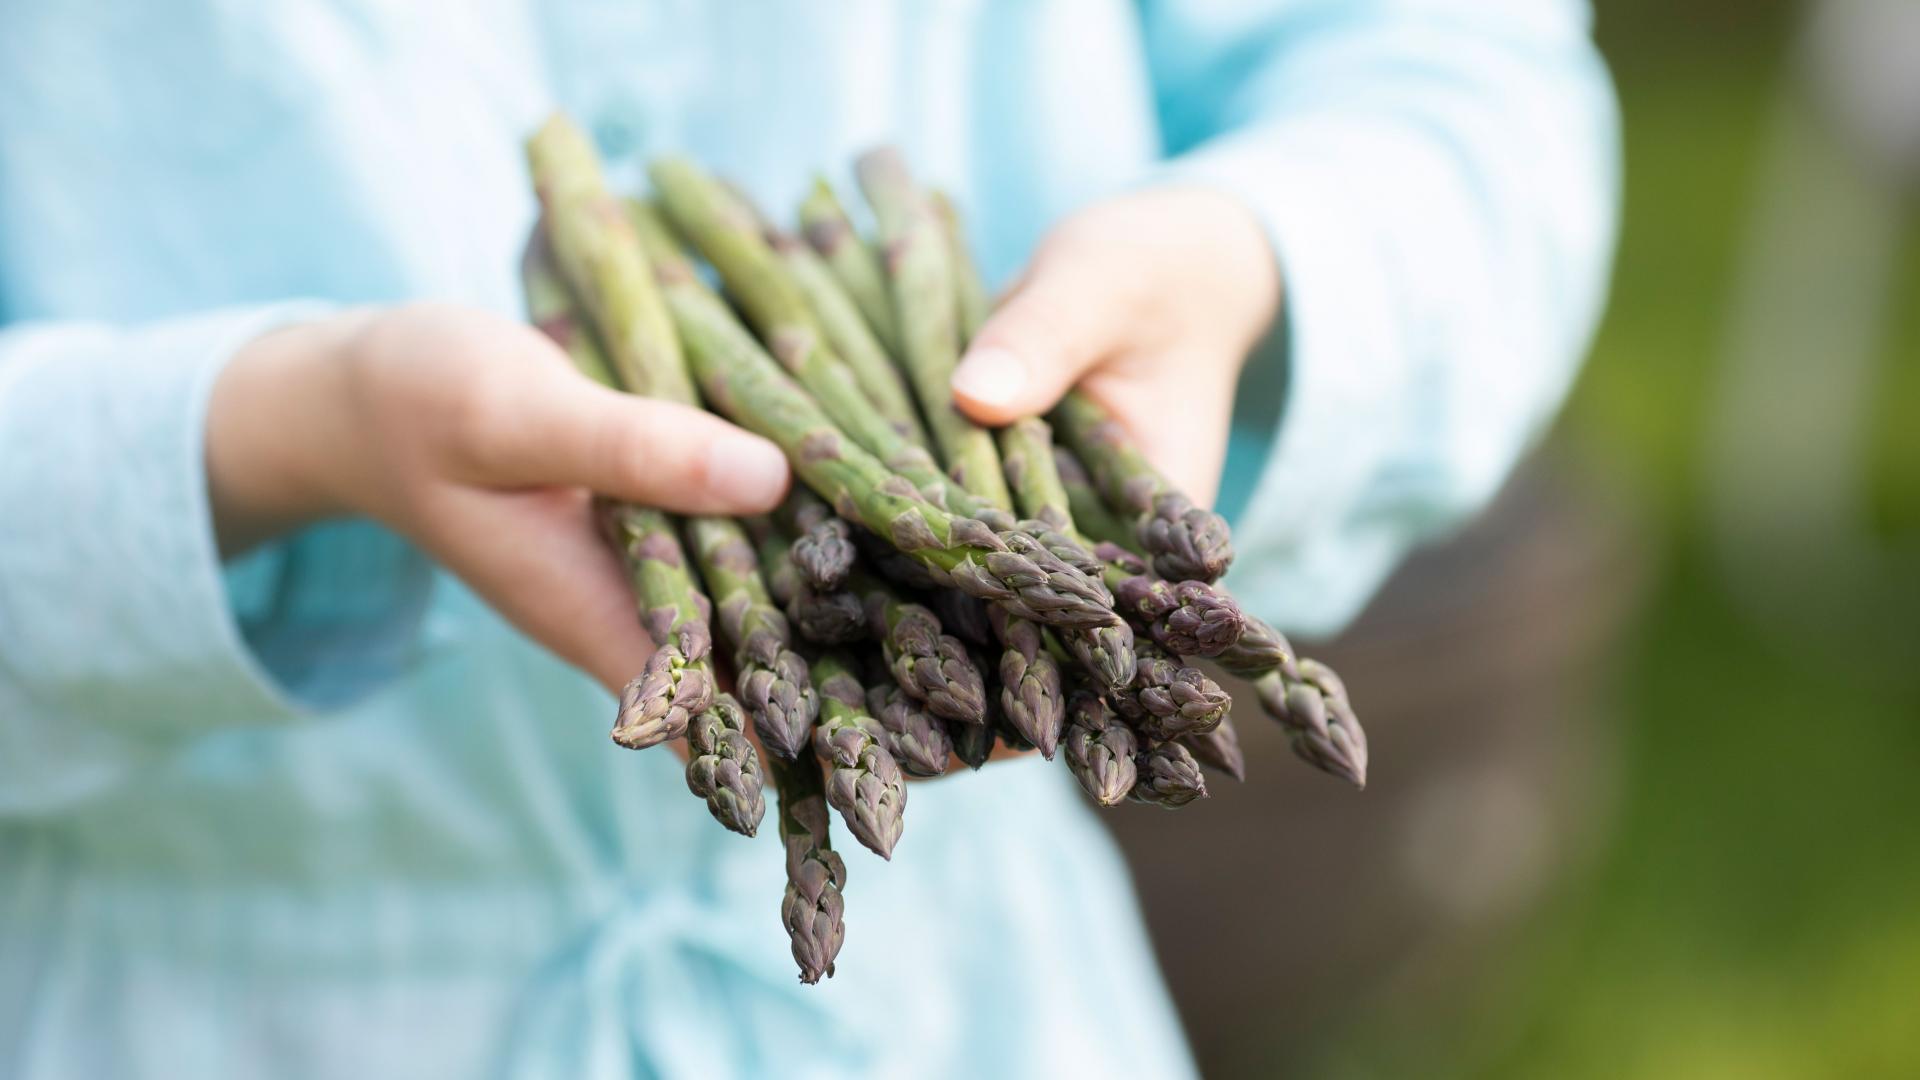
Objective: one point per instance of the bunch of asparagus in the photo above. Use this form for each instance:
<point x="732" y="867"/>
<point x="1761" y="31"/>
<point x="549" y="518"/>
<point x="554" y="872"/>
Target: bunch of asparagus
<point x="931" y="588"/>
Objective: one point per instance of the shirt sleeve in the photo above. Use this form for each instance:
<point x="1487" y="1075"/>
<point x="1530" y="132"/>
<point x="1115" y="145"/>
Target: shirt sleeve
<point x="121" y="639"/>
<point x="1439" y="179"/>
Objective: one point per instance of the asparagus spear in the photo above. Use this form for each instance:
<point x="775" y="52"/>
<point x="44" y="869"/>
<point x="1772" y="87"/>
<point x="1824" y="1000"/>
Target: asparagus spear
<point x="1031" y="697"/>
<point x="849" y="334"/>
<point x="969" y="290"/>
<point x="1218" y="749"/>
<point x="728" y="234"/>
<point x="920" y="280"/>
<point x="865" y="784"/>
<point x="972" y="743"/>
<point x="1311" y="703"/>
<point x="917" y="739"/>
<point x="743" y="382"/>
<point x="595" y="250"/>
<point x="822" y="548"/>
<point x="1169" y="699"/>
<point x="1090" y="512"/>
<point x="813" y="909"/>
<point x="723" y="768"/>
<point x="830" y="232"/>
<point x="1183" y="540"/>
<point x="823" y="618"/>
<point x="1100" y="749"/>
<point x="773" y="679"/>
<point x="551" y="308"/>
<point x="932" y="667"/>
<point x="1169" y="777"/>
<point x="677" y="682"/>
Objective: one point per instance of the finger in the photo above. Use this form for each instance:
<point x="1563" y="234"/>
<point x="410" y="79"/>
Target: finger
<point x="1057" y="324"/>
<point x="535" y="558"/>
<point x="549" y="426"/>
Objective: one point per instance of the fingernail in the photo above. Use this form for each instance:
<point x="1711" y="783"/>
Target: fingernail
<point x="990" y="376"/>
<point x="749" y="469"/>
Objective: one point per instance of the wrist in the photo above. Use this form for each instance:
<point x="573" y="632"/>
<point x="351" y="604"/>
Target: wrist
<point x="278" y="438"/>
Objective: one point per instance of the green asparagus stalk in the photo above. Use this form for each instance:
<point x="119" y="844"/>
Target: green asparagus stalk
<point x="813" y="909"/>
<point x="920" y="280"/>
<point x="823" y="618"/>
<point x="1169" y="699"/>
<point x="1013" y="570"/>
<point x="917" y="739"/>
<point x="677" y="682"/>
<point x="1169" y="777"/>
<point x="865" y="783"/>
<point x="932" y="667"/>
<point x="972" y="303"/>
<point x="728" y="234"/>
<point x="723" y="768"/>
<point x="1090" y="512"/>
<point x="772" y="678"/>
<point x="822" y="548"/>
<point x="551" y="308"/>
<point x="1183" y="541"/>
<point x="594" y="247"/>
<point x="824" y="222"/>
<point x="1218" y="749"/>
<point x="1031" y="696"/>
<point x="1310" y="703"/>
<point x="850" y="335"/>
<point x="1100" y="749"/>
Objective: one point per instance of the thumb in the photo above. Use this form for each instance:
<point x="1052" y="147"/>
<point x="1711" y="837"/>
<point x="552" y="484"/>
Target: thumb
<point x="1056" y="325"/>
<point x="564" y="429"/>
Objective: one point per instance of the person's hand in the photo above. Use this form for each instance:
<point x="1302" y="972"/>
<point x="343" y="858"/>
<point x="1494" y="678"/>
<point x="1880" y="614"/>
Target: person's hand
<point x="1150" y="302"/>
<point x="471" y="435"/>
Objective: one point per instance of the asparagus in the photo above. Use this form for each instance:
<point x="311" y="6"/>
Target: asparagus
<point x="1190" y="618"/>
<point x="1218" y="749"/>
<point x="962" y="616"/>
<point x="595" y="249"/>
<point x="932" y="667"/>
<point x="822" y="548"/>
<point x="1031" y="697"/>
<point x="1311" y="703"/>
<point x="727" y="233"/>
<point x="920" y="281"/>
<point x="1100" y="749"/>
<point x="1090" y="512"/>
<point x="850" y="334"/>
<point x="830" y="232"/>
<point x="1259" y="649"/>
<point x="1169" y="699"/>
<point x="1009" y="569"/>
<point x="813" y="909"/>
<point x="773" y="679"/>
<point x="917" y="739"/>
<point x="551" y="308"/>
<point x="972" y="743"/>
<point x="1169" y="777"/>
<point x="677" y="682"/>
<point x="865" y="784"/>
<point x="723" y="768"/>
<point x="1183" y="541"/>
<point x="823" y="618"/>
<point x="969" y="290"/>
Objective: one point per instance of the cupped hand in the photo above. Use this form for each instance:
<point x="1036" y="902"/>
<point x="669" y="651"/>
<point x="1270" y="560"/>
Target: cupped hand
<point x="1150" y="302"/>
<point x="471" y="435"/>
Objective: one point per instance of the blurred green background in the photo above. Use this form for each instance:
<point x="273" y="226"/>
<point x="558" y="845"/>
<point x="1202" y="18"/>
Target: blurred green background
<point x="1746" y="901"/>
<point x="1754" y="908"/>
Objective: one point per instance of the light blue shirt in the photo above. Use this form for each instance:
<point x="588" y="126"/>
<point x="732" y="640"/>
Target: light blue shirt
<point x="322" y="814"/>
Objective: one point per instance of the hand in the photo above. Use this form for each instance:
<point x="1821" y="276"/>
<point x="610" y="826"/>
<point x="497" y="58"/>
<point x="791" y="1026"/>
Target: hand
<point x="1150" y="302"/>
<point x="472" y="436"/>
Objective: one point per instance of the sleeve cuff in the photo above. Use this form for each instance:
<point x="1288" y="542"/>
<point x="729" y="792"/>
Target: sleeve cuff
<point x="114" y="606"/>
